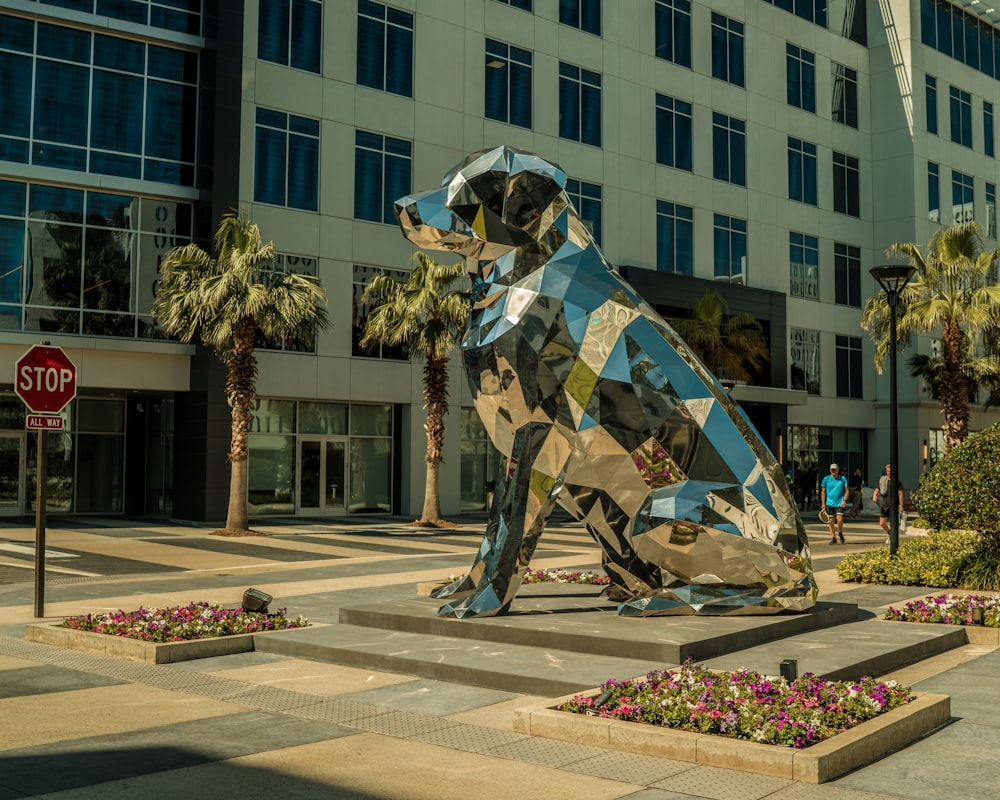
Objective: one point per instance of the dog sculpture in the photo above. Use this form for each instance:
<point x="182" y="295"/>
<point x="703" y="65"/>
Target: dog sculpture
<point x="599" y="406"/>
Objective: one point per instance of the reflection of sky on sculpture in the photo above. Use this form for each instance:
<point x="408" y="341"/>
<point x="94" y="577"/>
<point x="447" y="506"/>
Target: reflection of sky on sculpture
<point x="575" y="378"/>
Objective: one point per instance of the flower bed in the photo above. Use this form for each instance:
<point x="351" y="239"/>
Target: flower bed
<point x="743" y="704"/>
<point x="949" y="609"/>
<point x="183" y="623"/>
<point x="556" y="576"/>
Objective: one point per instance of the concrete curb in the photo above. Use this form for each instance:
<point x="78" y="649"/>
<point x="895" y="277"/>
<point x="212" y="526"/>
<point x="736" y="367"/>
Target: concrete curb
<point x="974" y="634"/>
<point x="820" y="763"/>
<point x="138" y="650"/>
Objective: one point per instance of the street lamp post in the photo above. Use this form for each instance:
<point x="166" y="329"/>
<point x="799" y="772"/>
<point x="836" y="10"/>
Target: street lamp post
<point x="893" y="278"/>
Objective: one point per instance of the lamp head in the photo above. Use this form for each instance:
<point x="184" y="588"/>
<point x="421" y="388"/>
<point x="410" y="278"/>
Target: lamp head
<point x="893" y="277"/>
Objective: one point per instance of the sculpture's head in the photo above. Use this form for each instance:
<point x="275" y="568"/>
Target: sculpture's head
<point x="491" y="203"/>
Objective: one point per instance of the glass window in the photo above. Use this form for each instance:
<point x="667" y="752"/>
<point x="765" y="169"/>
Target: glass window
<point x="846" y="185"/>
<point x="805" y="359"/>
<point x="371" y="474"/>
<point x="674" y="238"/>
<point x="508" y="83"/>
<point x="960" y="104"/>
<point x="586" y="199"/>
<point x="815" y="11"/>
<point x="371" y="420"/>
<point x="847" y="274"/>
<point x="286" y="264"/>
<point x="579" y="104"/>
<point x="933" y="192"/>
<point x="849" y="366"/>
<point x="991" y="210"/>
<point x="673" y="132"/>
<point x="582" y="14"/>
<point x="360" y="311"/>
<point x="385" y="48"/>
<point x="286" y="163"/>
<point x="382" y="175"/>
<point x="730" y="249"/>
<point x="326" y="419"/>
<point x="729" y="148"/>
<point x="524" y="5"/>
<point x="962" y="194"/>
<point x="58" y="89"/>
<point x="672" y="22"/>
<point x="803" y="257"/>
<point x="479" y="460"/>
<point x="930" y="99"/>
<point x="271" y="474"/>
<point x="272" y="416"/>
<point x="845" y="95"/>
<point x="289" y="33"/>
<point x="802" y="171"/>
<point x="800" y="77"/>
<point x="727" y="49"/>
<point x="988" y="143"/>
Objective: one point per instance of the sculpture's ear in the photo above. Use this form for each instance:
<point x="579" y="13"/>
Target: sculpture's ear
<point x="529" y="193"/>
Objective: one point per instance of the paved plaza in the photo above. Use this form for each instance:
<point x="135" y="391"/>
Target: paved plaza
<point x="80" y="725"/>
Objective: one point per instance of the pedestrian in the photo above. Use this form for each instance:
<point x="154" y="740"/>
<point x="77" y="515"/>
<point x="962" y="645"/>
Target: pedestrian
<point x="881" y="496"/>
<point x="856" y="484"/>
<point x="833" y="497"/>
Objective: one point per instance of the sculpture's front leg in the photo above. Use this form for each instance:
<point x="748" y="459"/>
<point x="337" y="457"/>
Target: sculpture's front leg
<point x="524" y="500"/>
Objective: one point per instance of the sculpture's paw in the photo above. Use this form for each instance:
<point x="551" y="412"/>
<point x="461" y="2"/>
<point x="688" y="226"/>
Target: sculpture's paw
<point x="484" y="603"/>
<point x="617" y="594"/>
<point x="456" y="588"/>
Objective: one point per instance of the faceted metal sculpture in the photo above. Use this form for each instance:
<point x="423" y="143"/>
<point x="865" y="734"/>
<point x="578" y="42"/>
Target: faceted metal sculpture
<point x="598" y="405"/>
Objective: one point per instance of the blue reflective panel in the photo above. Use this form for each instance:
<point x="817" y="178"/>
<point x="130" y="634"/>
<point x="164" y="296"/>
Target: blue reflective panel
<point x="112" y="210"/>
<point x="13" y="195"/>
<point x="272" y="118"/>
<point x="569" y="109"/>
<point x="17" y="34"/>
<point x="303" y="172"/>
<point x="310" y="127"/>
<point x="399" y="61"/>
<point x="363" y="138"/>
<point x="174" y="20"/>
<point x="520" y="95"/>
<point x="116" y="116"/>
<point x="64" y="203"/>
<point x="368" y="185"/>
<point x="171" y="111"/>
<point x="130" y="10"/>
<point x="66" y="44"/>
<point x="114" y="164"/>
<point x="497" y="86"/>
<point x="61" y="101"/>
<point x="119" y="54"/>
<point x="399" y="147"/>
<point x="269" y="167"/>
<point x="11" y="259"/>
<point x="272" y="31"/>
<point x="15" y="95"/>
<point x="590" y="18"/>
<point x="809" y="87"/>
<point x="928" y="32"/>
<point x="307" y="34"/>
<point x="794" y="170"/>
<point x="371" y="53"/>
<point x="173" y="65"/>
<point x="397" y="183"/>
<point x="590" y="123"/>
<point x="87" y="6"/>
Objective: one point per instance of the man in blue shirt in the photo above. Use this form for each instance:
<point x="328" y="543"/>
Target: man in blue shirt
<point x="833" y="497"/>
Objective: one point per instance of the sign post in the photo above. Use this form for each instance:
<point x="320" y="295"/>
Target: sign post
<point x="45" y="379"/>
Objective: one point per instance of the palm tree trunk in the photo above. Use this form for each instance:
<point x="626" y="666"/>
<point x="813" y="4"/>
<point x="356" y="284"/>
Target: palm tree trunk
<point x="954" y="387"/>
<point x="240" y="383"/>
<point x="436" y="403"/>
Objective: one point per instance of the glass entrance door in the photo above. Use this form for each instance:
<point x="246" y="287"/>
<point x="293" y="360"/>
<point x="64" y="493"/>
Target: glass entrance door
<point x="11" y="474"/>
<point x="322" y="476"/>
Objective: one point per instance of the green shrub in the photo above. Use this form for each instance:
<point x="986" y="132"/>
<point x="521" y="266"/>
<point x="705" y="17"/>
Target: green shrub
<point x="963" y="489"/>
<point x="980" y="569"/>
<point x="933" y="560"/>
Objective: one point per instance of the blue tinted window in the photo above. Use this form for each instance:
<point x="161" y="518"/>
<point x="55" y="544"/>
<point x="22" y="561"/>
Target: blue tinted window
<point x="729" y="149"/>
<point x="847" y="274"/>
<point x="65" y="44"/>
<point x="13" y="196"/>
<point x="170" y="112"/>
<point x="289" y="32"/>
<point x="988" y="143"/>
<point x="802" y="171"/>
<point x="119" y="54"/>
<point x="729" y="238"/>
<point x="273" y="31"/>
<point x="672" y="22"/>
<point x="382" y="175"/>
<point x="385" y="48"/>
<point x="849" y="369"/>
<point x="727" y="49"/>
<point x="117" y="97"/>
<point x="17" y="34"/>
<point x="962" y="195"/>
<point x="11" y="260"/>
<point x="62" y="95"/>
<point x="15" y="95"/>
<point x="508" y="84"/>
<point x="846" y="185"/>
<point x="933" y="192"/>
<point x="579" y="104"/>
<point x="173" y="65"/>
<point x="673" y="132"/>
<point x="674" y="238"/>
<point x="845" y="95"/>
<point x="582" y="14"/>
<point x="586" y="199"/>
<point x="960" y="104"/>
<point x="286" y="160"/>
<point x="930" y="99"/>
<point x="524" y="5"/>
<point x="803" y="258"/>
<point x="963" y="36"/>
<point x="800" y="69"/>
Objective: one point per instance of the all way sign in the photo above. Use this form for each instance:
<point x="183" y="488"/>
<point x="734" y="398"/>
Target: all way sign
<point x="43" y="422"/>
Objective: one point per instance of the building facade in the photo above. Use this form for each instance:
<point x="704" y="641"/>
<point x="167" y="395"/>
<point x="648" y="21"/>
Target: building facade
<point x="769" y="151"/>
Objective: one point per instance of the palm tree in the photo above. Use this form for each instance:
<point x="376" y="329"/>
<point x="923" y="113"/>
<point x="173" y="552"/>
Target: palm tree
<point x="228" y="301"/>
<point x="731" y="347"/>
<point x="427" y="314"/>
<point x="951" y="291"/>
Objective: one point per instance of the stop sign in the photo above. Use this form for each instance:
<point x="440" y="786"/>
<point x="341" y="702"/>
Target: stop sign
<point x="45" y="379"/>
